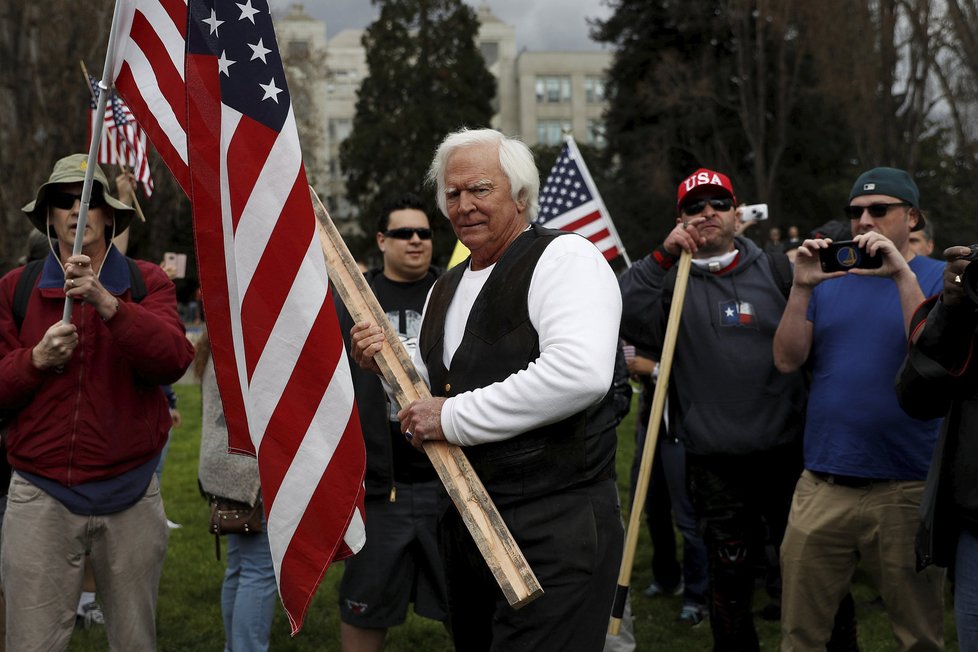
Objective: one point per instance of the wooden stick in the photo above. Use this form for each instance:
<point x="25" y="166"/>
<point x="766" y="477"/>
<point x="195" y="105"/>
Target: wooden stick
<point x="122" y="168"/>
<point x="515" y="577"/>
<point x="651" y="437"/>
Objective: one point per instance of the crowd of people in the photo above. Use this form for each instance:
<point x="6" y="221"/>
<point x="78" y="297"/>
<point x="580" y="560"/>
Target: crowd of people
<point x="818" y="421"/>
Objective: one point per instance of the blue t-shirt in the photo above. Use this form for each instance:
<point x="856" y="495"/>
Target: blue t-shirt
<point x="855" y="425"/>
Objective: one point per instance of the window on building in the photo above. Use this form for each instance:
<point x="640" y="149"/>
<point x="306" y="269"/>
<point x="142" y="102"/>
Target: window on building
<point x="594" y="133"/>
<point x="490" y="52"/>
<point x="553" y="89"/>
<point x="551" y="132"/>
<point x="298" y="49"/>
<point x="339" y="129"/>
<point x="594" y="89"/>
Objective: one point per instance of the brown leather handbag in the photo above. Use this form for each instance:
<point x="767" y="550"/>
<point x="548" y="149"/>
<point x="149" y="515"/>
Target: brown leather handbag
<point x="234" y="517"/>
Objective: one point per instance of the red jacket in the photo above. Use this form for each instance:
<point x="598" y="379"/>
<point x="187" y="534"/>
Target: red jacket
<point x="105" y="414"/>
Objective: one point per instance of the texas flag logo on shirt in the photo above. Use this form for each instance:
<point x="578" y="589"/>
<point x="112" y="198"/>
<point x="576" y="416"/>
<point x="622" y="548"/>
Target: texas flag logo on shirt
<point x="737" y="313"/>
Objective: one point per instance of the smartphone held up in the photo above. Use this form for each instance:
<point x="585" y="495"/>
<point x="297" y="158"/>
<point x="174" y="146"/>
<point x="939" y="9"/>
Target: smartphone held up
<point x="845" y="255"/>
<point x="175" y="262"/>
<point x="753" y="212"/>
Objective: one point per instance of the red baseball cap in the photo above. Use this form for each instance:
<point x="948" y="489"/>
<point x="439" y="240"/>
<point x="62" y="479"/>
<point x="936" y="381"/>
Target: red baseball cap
<point x="704" y="182"/>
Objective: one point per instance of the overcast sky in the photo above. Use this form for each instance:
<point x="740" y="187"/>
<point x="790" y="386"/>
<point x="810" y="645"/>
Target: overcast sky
<point x="540" y="24"/>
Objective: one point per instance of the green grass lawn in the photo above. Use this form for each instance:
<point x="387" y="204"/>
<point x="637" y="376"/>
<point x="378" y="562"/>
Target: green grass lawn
<point x="189" y="613"/>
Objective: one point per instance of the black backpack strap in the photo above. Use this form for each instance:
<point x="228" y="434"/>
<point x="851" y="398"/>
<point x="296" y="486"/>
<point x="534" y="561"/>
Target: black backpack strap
<point x="32" y="270"/>
<point x="784" y="276"/>
<point x="24" y="288"/>
<point x="137" y="286"/>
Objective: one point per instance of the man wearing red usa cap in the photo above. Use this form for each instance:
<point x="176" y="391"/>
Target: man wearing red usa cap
<point x="739" y="418"/>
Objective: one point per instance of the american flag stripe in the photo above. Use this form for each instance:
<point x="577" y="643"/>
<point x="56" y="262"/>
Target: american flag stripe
<point x="281" y="367"/>
<point x="592" y="227"/>
<point x="151" y="79"/>
<point x="573" y="221"/>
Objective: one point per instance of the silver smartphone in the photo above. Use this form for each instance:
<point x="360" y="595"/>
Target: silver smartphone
<point x="753" y="212"/>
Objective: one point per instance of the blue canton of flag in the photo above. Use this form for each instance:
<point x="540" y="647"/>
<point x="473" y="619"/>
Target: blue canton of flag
<point x="564" y="189"/>
<point x="737" y="313"/>
<point x="570" y="201"/>
<point x="251" y="72"/>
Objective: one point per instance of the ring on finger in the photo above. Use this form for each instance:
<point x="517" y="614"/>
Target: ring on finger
<point x="71" y="282"/>
<point x="957" y="279"/>
<point x="409" y="435"/>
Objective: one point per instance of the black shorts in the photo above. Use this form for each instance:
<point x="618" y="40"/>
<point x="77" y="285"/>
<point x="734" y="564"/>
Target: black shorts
<point x="399" y="563"/>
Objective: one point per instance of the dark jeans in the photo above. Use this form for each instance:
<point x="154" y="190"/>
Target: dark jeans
<point x="668" y="500"/>
<point x="666" y="570"/>
<point x="741" y="501"/>
<point x="573" y="541"/>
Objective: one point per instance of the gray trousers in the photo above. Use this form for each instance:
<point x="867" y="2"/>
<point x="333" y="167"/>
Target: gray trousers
<point x="42" y="564"/>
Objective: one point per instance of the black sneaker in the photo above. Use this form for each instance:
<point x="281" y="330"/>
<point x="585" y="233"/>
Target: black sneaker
<point x="771" y="611"/>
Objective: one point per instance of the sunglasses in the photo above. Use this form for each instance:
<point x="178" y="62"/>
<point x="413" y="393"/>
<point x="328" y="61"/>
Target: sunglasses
<point x="875" y="210"/>
<point x="406" y="233"/>
<point x="65" y="200"/>
<point x="697" y="207"/>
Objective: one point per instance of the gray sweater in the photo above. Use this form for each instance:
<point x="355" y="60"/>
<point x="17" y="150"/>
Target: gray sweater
<point x="221" y="473"/>
<point x="728" y="396"/>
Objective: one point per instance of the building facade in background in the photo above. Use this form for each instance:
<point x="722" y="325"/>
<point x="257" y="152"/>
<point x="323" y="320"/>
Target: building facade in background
<point x="540" y="94"/>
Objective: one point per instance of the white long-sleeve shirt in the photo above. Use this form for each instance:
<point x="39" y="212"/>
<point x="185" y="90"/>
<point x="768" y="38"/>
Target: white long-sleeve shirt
<point x="575" y="306"/>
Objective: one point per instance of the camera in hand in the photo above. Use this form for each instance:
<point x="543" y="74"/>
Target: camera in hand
<point x="970" y="277"/>
<point x="845" y="255"/>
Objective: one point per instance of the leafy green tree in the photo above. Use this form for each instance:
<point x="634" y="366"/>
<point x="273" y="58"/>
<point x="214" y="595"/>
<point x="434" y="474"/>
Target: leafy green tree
<point x="426" y="79"/>
<point x="737" y="93"/>
<point x="665" y="117"/>
<point x="44" y="115"/>
<point x="43" y="99"/>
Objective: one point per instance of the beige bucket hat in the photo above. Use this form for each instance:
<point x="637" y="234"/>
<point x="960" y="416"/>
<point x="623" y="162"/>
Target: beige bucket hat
<point x="71" y="169"/>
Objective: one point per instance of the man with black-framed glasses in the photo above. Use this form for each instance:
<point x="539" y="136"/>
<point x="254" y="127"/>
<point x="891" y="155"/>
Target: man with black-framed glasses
<point x="400" y="563"/>
<point x="865" y="459"/>
<point x="739" y="418"/>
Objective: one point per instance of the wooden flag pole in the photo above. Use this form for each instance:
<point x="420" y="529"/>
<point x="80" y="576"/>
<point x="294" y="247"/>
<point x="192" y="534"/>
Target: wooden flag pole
<point x="651" y="437"/>
<point x="495" y="542"/>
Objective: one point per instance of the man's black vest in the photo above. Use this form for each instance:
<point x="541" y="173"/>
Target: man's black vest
<point x="499" y="340"/>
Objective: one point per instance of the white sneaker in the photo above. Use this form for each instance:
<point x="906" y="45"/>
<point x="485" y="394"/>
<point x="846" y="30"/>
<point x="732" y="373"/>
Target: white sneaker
<point x="655" y="589"/>
<point x="173" y="526"/>
<point x="91" y="615"/>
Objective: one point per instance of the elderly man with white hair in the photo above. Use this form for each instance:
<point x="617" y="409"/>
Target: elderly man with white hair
<point x="518" y="346"/>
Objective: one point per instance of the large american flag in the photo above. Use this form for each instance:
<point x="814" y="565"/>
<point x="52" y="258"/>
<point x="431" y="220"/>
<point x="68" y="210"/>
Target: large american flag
<point x="122" y="142"/>
<point x="209" y="80"/>
<point x="570" y="201"/>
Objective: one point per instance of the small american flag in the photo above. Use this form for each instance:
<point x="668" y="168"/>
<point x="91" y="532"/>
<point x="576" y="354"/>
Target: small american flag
<point x="570" y="201"/>
<point x="209" y="81"/>
<point x="123" y="142"/>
